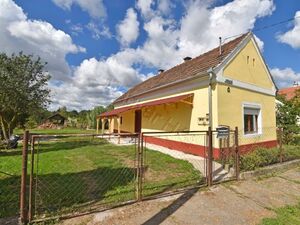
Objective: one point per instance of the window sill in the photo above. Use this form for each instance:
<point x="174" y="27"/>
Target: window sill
<point x="252" y="135"/>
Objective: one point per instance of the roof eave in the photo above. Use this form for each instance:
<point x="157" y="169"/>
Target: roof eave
<point x="199" y="75"/>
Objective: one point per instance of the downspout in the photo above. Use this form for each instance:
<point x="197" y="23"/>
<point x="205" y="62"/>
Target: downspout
<point x="210" y="101"/>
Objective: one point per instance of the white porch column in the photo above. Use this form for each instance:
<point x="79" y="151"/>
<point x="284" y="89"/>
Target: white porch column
<point x="102" y="125"/>
<point x="98" y="120"/>
<point x="119" y="128"/>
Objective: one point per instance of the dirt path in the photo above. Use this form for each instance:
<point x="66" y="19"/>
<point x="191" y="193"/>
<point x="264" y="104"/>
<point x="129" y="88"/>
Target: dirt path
<point x="245" y="202"/>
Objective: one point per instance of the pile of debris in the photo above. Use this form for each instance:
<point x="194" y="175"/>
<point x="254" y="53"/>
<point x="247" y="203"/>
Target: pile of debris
<point x="49" y="125"/>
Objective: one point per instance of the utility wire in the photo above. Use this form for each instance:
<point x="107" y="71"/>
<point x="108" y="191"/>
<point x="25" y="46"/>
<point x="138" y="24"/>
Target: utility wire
<point x="265" y="27"/>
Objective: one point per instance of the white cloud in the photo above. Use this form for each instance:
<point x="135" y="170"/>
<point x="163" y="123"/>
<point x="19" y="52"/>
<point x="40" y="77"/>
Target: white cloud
<point x="168" y="41"/>
<point x="260" y="43"/>
<point x="165" y="6"/>
<point x="128" y="29"/>
<point x="291" y="37"/>
<point x="95" y="8"/>
<point x="96" y="82"/>
<point x="18" y="33"/>
<point x="145" y="7"/>
<point x="99" y="30"/>
<point x="285" y="77"/>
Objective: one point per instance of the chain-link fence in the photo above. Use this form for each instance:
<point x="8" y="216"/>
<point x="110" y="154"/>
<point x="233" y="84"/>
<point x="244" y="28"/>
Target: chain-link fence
<point x="10" y="180"/>
<point x="172" y="161"/>
<point x="73" y="174"/>
<point x="81" y="173"/>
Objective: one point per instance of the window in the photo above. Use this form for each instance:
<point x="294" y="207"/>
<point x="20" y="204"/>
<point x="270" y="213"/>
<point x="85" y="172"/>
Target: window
<point x="252" y="120"/>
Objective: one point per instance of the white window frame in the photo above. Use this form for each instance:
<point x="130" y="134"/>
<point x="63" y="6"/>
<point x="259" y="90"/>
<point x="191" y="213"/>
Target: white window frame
<point x="259" y="119"/>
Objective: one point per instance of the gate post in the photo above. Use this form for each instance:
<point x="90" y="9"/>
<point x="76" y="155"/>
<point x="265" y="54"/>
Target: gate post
<point x="23" y="208"/>
<point x="210" y="158"/>
<point x="237" y="153"/>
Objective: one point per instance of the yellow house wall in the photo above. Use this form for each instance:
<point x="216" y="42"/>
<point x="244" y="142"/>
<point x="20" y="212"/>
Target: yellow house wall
<point x="242" y="68"/>
<point x="174" y="117"/>
<point x="230" y="112"/>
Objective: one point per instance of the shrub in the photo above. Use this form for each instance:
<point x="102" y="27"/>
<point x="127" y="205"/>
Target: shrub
<point x="263" y="157"/>
<point x="259" y="157"/>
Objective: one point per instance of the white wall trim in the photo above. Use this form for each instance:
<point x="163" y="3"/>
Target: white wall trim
<point x="253" y="105"/>
<point x="235" y="83"/>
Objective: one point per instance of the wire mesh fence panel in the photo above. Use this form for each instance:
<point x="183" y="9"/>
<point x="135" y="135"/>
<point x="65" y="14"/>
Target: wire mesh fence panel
<point x="172" y="161"/>
<point x="10" y="179"/>
<point x="79" y="174"/>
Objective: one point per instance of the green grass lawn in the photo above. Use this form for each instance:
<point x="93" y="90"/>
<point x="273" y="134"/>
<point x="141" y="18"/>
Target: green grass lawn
<point x="286" y="215"/>
<point x="73" y="172"/>
<point x="67" y="130"/>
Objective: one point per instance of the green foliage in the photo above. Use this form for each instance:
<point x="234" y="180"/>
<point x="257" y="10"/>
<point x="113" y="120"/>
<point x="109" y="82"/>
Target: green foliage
<point x="288" y="117"/>
<point x="91" y="116"/>
<point x="261" y="157"/>
<point x="285" y="215"/>
<point x="23" y="92"/>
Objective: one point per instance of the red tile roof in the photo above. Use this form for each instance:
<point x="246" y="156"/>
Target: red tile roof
<point x="289" y="92"/>
<point x="185" y="70"/>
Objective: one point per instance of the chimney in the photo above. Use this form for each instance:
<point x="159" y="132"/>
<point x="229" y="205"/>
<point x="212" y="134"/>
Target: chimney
<point x="220" y="46"/>
<point x="187" y="58"/>
<point x="160" y="71"/>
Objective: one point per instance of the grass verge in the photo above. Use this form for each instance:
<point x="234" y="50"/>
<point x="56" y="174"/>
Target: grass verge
<point x="81" y="172"/>
<point x="285" y="215"/>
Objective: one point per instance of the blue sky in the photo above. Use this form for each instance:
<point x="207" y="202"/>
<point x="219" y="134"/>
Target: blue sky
<point x="97" y="49"/>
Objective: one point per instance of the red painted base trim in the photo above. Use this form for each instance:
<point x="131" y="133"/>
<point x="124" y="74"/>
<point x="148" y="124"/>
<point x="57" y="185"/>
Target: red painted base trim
<point x="200" y="150"/>
<point x="251" y="147"/>
<point x="181" y="146"/>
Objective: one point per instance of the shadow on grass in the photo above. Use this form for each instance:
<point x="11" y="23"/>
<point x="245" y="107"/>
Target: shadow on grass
<point x="49" y="146"/>
<point x="56" y="193"/>
<point x="64" y="192"/>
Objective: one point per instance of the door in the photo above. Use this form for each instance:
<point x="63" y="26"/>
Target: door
<point x="138" y="121"/>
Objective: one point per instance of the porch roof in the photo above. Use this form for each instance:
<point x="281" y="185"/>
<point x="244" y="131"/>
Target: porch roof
<point x="117" y="111"/>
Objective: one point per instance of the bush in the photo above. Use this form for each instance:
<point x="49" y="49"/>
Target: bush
<point x="261" y="157"/>
<point x="291" y="152"/>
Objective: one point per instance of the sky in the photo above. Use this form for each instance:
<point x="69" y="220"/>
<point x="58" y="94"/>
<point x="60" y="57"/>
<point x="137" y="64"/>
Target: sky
<point x="98" y="49"/>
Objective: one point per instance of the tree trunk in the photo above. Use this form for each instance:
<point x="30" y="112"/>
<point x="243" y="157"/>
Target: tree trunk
<point x="5" y="127"/>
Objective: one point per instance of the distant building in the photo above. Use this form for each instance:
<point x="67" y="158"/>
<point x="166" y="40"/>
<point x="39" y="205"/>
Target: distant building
<point x="289" y="92"/>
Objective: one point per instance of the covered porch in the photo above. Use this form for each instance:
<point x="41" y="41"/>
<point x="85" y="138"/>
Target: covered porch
<point x="167" y="114"/>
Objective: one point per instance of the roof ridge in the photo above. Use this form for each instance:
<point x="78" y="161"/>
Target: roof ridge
<point x="198" y="62"/>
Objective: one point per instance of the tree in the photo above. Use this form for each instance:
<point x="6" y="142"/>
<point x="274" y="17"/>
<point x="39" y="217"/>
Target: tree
<point x="288" y="116"/>
<point x="23" y="91"/>
<point x="91" y="116"/>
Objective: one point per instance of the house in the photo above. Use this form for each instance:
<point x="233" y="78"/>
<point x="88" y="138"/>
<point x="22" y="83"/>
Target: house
<point x="230" y="85"/>
<point x="289" y="92"/>
<point x="53" y="122"/>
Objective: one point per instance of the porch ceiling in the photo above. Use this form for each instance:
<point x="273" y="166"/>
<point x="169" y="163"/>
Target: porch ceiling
<point x="117" y="111"/>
